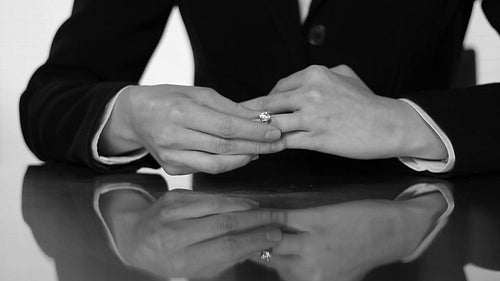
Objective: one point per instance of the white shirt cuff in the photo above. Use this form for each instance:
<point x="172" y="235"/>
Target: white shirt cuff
<point x="420" y="189"/>
<point x="112" y="160"/>
<point x="108" y="188"/>
<point x="434" y="166"/>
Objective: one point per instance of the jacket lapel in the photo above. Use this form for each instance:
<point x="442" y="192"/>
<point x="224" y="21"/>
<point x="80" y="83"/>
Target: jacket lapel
<point x="315" y="5"/>
<point x="287" y="20"/>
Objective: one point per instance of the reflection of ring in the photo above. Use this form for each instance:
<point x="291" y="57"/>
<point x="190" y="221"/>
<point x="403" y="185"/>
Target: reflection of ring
<point x="265" y="117"/>
<point x="266" y="254"/>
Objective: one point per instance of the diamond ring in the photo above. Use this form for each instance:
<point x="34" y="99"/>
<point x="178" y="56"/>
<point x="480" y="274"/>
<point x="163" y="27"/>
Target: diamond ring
<point x="265" y="117"/>
<point x="266" y="254"/>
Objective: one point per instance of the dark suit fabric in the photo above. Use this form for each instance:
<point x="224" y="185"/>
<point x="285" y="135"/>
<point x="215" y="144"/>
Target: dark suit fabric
<point x="242" y="48"/>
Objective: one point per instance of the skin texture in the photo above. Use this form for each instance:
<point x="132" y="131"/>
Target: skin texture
<point x="344" y="241"/>
<point x="333" y="111"/>
<point x="192" y="234"/>
<point x="189" y="234"/>
<point x="187" y="129"/>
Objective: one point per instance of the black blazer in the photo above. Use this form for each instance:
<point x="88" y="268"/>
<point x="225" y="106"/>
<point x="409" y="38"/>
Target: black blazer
<point x="242" y="48"/>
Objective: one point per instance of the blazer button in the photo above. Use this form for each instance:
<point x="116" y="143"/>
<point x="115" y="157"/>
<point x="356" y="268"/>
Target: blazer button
<point x="317" y="35"/>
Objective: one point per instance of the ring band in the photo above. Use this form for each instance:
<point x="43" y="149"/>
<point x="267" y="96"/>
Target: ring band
<point x="266" y="254"/>
<point x="265" y="117"/>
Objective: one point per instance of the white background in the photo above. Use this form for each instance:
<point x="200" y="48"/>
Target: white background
<point x="26" y="30"/>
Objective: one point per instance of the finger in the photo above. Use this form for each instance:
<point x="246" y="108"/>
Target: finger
<point x="213" y="122"/>
<point x="300" y="78"/>
<point x="214" y="100"/>
<point x="277" y="103"/>
<point x="223" y="224"/>
<point x="194" y="140"/>
<point x="299" y="140"/>
<point x="289" y="83"/>
<point x="178" y="170"/>
<point x="174" y="169"/>
<point x="189" y="205"/>
<point x="180" y="162"/>
<point x="291" y="244"/>
<point x="343" y="70"/>
<point x="233" y="248"/>
<point x="288" y="122"/>
<point x="205" y="162"/>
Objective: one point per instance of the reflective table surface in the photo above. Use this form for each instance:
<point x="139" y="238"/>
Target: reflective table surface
<point x="68" y="238"/>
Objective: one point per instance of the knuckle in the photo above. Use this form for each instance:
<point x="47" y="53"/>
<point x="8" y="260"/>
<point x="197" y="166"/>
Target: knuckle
<point x="344" y="67"/>
<point x="314" y="95"/>
<point x="278" y="217"/>
<point x="280" y="83"/>
<point x="315" y="72"/>
<point x="226" y="223"/>
<point x="263" y="217"/>
<point x="176" y="111"/>
<point x="226" y="127"/>
<point x="224" y="146"/>
<point x="269" y="147"/>
<point x="214" y="204"/>
<point x="271" y="217"/>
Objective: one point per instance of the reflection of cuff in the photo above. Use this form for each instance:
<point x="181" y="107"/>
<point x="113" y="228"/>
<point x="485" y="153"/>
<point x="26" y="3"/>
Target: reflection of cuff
<point x="108" y="188"/>
<point x="435" y="166"/>
<point x="420" y="189"/>
<point x="112" y="160"/>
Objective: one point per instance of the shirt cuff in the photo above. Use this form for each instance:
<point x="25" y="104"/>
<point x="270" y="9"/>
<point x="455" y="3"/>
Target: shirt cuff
<point x="424" y="188"/>
<point x="434" y="166"/>
<point x="108" y="188"/>
<point x="112" y="160"/>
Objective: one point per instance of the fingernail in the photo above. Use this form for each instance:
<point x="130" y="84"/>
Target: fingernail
<point x="273" y="235"/>
<point x="255" y="157"/>
<point x="273" y="134"/>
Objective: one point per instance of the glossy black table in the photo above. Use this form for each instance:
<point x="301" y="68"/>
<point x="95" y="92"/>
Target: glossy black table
<point x="57" y="206"/>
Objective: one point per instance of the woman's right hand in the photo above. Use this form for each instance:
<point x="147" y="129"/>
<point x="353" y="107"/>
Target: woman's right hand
<point x="187" y="129"/>
<point x="189" y="234"/>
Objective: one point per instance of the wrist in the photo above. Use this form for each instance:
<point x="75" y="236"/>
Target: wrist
<point x="121" y="212"/>
<point x="417" y="138"/>
<point x="419" y="216"/>
<point x="117" y="137"/>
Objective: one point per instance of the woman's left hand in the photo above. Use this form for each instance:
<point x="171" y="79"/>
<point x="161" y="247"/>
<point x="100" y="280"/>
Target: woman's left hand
<point x="333" y="111"/>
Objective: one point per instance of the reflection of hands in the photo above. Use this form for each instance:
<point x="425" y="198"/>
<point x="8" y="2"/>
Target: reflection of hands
<point x="333" y="111"/>
<point x="189" y="234"/>
<point x="187" y="129"/>
<point x="345" y="241"/>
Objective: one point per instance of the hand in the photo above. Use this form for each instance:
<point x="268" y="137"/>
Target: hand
<point x="187" y="129"/>
<point x="345" y="241"/>
<point x="333" y="111"/>
<point x="189" y="234"/>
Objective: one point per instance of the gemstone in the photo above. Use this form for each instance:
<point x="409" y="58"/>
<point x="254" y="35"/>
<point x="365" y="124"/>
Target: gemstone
<point x="265" y="117"/>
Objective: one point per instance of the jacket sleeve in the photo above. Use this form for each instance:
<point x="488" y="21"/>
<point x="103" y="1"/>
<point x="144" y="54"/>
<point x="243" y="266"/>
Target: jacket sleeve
<point x="103" y="46"/>
<point x="470" y="117"/>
